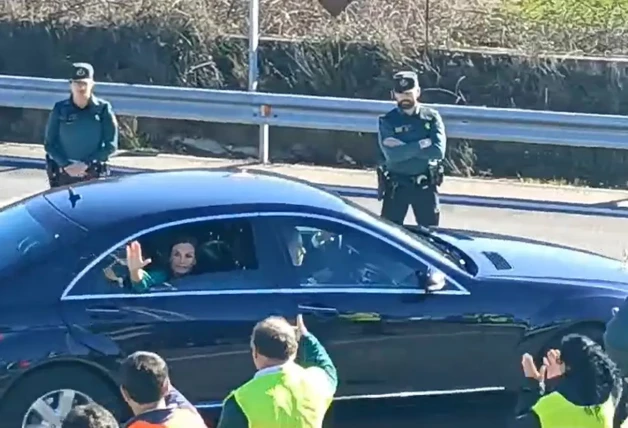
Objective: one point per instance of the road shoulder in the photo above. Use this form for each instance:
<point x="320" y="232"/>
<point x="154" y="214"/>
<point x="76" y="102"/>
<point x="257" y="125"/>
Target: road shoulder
<point x="358" y="179"/>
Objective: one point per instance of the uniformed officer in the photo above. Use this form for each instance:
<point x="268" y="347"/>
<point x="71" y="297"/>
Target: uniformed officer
<point x="81" y="134"/>
<point x="412" y="146"/>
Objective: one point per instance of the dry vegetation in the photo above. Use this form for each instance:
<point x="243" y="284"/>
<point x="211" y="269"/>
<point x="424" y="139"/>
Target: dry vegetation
<point x="571" y="26"/>
<point x="190" y="43"/>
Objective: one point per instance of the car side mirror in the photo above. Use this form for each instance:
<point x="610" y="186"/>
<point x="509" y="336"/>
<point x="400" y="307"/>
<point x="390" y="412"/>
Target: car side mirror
<point x="433" y="281"/>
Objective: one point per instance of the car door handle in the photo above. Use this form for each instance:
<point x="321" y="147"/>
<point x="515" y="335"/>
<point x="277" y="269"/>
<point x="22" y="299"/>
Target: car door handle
<point x="318" y="310"/>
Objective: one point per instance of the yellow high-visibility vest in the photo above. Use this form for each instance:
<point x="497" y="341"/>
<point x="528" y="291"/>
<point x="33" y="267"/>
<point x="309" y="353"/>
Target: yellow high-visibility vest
<point x="555" y="411"/>
<point x="289" y="397"/>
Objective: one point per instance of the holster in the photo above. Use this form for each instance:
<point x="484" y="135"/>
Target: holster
<point x="436" y="172"/>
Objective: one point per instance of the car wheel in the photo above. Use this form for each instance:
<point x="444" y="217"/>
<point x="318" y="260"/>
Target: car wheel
<point x="44" y="398"/>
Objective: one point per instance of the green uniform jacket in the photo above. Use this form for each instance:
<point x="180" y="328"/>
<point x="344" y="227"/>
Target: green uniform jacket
<point x="87" y="134"/>
<point x="423" y="134"/>
<point x="313" y="354"/>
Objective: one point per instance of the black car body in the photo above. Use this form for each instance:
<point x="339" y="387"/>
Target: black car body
<point x="405" y="311"/>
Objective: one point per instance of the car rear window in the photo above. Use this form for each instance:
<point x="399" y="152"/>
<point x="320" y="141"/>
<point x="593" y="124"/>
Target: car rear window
<point x="21" y="236"/>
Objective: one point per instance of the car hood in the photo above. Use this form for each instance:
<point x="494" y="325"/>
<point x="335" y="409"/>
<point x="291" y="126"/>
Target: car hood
<point x="500" y="256"/>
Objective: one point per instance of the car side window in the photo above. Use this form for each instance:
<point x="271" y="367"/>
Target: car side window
<point x="332" y="254"/>
<point x="211" y="255"/>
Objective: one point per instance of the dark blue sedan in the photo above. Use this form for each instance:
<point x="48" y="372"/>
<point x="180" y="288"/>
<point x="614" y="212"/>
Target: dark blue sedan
<point x="403" y="311"/>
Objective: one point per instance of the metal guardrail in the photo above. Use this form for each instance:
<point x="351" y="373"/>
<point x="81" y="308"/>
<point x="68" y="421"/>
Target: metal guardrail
<point x="340" y="114"/>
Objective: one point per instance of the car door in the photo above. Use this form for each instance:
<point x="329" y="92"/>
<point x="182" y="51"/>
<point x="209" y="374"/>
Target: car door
<point x="384" y="333"/>
<point x="201" y="324"/>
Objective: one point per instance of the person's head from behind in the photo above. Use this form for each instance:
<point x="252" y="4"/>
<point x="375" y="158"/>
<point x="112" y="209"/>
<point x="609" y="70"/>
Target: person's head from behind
<point x="273" y="342"/>
<point x="183" y="255"/>
<point x="587" y="365"/>
<point x="90" y="415"/>
<point x="144" y="380"/>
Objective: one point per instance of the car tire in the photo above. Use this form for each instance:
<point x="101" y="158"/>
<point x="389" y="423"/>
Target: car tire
<point x="44" y="381"/>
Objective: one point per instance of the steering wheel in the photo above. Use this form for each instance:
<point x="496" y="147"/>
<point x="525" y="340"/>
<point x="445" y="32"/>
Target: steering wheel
<point x="323" y="239"/>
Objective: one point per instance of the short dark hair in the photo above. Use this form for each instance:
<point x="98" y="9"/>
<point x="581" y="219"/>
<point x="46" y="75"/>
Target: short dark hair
<point x="275" y="338"/>
<point x="91" y="415"/>
<point x="143" y="376"/>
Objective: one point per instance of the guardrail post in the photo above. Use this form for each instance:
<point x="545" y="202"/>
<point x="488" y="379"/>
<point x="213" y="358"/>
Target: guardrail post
<point x="254" y="74"/>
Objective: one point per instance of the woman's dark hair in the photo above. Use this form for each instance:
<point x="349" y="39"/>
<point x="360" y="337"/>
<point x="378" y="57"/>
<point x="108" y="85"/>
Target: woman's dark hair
<point x="184" y="239"/>
<point x="590" y="369"/>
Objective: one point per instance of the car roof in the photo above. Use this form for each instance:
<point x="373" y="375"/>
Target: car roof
<point x="115" y="199"/>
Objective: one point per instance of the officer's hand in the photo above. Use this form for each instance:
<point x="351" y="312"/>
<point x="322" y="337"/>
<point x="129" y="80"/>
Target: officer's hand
<point x="392" y="142"/>
<point x="75" y="169"/>
<point x="81" y="167"/>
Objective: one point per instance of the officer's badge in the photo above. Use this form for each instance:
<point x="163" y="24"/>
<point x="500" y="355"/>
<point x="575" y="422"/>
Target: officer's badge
<point x="403" y="83"/>
<point x="427" y="126"/>
<point x="404" y="128"/>
<point x="97" y="117"/>
<point x="81" y="72"/>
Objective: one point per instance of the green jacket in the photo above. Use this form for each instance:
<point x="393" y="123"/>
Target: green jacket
<point x="151" y="278"/>
<point x="411" y="158"/>
<point x="75" y="134"/>
<point x="312" y="353"/>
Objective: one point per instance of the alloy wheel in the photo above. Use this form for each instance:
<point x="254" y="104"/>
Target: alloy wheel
<point x="49" y="410"/>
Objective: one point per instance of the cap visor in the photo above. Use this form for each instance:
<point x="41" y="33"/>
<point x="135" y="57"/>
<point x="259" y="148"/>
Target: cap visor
<point x="405" y="91"/>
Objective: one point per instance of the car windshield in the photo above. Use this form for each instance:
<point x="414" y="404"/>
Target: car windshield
<point x="21" y="235"/>
<point x="438" y="248"/>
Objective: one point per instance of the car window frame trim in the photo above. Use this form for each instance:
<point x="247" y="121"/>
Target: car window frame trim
<point x="65" y="296"/>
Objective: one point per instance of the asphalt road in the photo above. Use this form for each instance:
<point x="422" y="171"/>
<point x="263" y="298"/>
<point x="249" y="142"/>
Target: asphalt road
<point x="603" y="235"/>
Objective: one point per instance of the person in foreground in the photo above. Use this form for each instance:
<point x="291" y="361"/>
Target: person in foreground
<point x="90" y="415"/>
<point x="577" y="386"/>
<point x="146" y="387"/>
<point x="283" y="394"/>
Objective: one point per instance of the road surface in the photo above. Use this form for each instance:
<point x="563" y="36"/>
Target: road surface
<point x="604" y="235"/>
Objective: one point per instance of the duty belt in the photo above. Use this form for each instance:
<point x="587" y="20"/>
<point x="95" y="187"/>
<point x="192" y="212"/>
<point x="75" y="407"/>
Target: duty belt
<point x="419" y="180"/>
